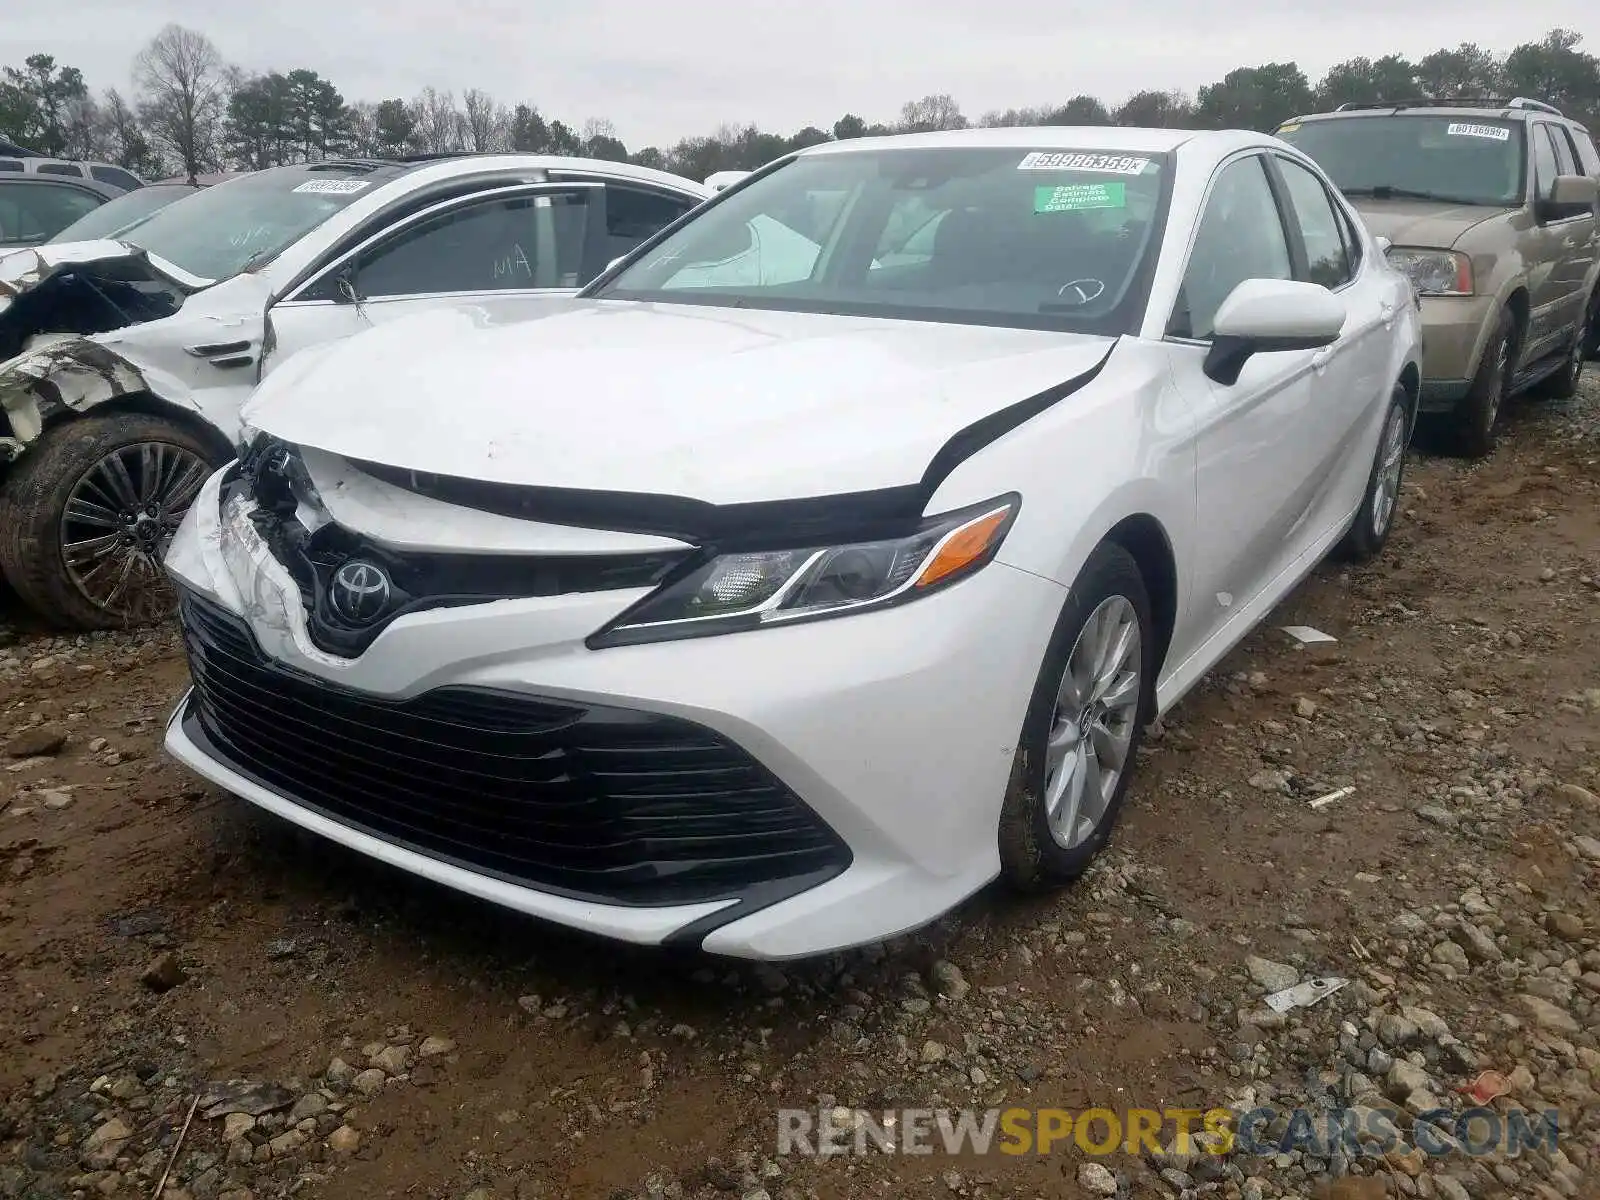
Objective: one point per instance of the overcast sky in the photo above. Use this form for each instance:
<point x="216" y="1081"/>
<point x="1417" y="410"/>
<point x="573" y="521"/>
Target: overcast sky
<point x="662" y="71"/>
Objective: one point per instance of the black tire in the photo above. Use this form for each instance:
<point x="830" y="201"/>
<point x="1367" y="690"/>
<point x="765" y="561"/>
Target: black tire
<point x="1563" y="385"/>
<point x="1478" y="416"/>
<point x="1031" y="858"/>
<point x="1375" y="521"/>
<point x="33" y="531"/>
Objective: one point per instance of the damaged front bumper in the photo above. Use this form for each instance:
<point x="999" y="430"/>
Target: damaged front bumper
<point x="839" y="786"/>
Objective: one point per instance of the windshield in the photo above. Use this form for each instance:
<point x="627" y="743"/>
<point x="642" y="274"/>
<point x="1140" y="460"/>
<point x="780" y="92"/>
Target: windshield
<point x="113" y="215"/>
<point x="250" y="220"/>
<point x="1422" y="157"/>
<point x="1047" y="239"/>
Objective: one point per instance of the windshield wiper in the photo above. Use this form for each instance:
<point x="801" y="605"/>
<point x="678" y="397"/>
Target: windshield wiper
<point x="1384" y="191"/>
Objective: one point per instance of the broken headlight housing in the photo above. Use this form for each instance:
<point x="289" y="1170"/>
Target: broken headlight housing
<point x="728" y="593"/>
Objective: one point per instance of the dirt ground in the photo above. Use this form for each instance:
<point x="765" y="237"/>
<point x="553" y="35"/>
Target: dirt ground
<point x="157" y="937"/>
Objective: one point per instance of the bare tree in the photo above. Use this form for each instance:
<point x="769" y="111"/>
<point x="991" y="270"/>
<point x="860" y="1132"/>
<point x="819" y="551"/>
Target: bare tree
<point x="487" y="124"/>
<point x="183" y="85"/>
<point x="930" y="113"/>
<point x="439" y="127"/>
<point x="120" y="139"/>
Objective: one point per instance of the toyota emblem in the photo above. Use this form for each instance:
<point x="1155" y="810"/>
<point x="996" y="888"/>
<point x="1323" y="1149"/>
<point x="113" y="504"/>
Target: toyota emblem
<point x="360" y="592"/>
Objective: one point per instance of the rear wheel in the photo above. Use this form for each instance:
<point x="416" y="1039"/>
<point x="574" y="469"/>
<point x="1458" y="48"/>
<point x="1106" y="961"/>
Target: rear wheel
<point x="1563" y="385"/>
<point x="1070" y="773"/>
<point x="86" y="515"/>
<point x="1478" y="417"/>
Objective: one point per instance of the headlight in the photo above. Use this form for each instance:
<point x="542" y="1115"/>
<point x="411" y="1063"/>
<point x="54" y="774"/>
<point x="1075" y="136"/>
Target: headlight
<point x="1434" y="272"/>
<point x="732" y="592"/>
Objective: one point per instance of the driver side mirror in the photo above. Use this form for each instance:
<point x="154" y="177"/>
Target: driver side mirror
<point x="1570" y="196"/>
<point x="1266" y="316"/>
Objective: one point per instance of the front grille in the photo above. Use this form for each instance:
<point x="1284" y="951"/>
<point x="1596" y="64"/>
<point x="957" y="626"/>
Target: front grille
<point x="272" y="477"/>
<point x="589" y="801"/>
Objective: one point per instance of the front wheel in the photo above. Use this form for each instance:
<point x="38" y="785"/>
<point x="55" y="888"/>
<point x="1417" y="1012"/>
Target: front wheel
<point x="86" y="515"/>
<point x="1083" y="726"/>
<point x="1478" y="418"/>
<point x="1373" y="523"/>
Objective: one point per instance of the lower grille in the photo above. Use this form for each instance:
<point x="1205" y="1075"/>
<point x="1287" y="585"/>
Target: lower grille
<point x="588" y="801"/>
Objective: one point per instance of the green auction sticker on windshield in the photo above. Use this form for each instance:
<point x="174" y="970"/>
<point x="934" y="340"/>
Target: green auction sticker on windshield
<point x="1076" y="197"/>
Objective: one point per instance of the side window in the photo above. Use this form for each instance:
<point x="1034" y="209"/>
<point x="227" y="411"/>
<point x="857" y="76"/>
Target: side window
<point x="1240" y="237"/>
<point x="10" y="164"/>
<point x="60" y="169"/>
<point x="484" y="246"/>
<point x="116" y="177"/>
<point x="1566" y="157"/>
<point x="32" y="213"/>
<point x="1545" y="168"/>
<point x="1588" y="156"/>
<point x="632" y="216"/>
<point x="1327" y="254"/>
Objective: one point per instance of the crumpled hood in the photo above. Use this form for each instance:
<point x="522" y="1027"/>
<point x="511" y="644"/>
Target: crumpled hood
<point x="721" y="405"/>
<point x="23" y="270"/>
<point x="1423" y="223"/>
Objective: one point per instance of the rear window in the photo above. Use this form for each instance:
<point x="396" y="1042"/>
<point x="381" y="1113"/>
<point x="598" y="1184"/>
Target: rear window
<point x="117" y="177"/>
<point x="1452" y="160"/>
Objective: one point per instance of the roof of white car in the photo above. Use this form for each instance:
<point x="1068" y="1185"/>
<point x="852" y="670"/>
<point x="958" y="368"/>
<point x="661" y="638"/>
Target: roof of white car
<point x="472" y="164"/>
<point x="1054" y="137"/>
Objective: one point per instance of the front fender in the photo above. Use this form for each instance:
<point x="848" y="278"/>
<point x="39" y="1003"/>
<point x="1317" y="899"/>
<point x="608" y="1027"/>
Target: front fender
<point x="74" y="376"/>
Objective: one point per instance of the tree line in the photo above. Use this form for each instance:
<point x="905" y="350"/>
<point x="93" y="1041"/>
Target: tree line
<point x="192" y="112"/>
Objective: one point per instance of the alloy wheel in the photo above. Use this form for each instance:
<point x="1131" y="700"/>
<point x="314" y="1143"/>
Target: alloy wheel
<point x="119" y="517"/>
<point x="1391" y="463"/>
<point x="1096" y="711"/>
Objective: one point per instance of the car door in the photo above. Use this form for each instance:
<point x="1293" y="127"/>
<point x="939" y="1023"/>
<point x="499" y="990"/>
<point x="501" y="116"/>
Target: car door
<point x="1257" y="452"/>
<point x="519" y="241"/>
<point x="1576" y="245"/>
<point x="1562" y="248"/>
<point x="1350" y="381"/>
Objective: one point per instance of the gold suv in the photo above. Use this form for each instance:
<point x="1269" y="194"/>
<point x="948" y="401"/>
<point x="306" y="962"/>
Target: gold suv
<point x="1491" y="208"/>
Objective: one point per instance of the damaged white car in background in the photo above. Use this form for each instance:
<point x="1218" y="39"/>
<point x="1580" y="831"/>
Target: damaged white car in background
<point x="123" y="363"/>
<point x="773" y="603"/>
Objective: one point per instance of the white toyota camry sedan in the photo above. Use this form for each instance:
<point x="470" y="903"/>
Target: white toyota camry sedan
<point x="823" y="560"/>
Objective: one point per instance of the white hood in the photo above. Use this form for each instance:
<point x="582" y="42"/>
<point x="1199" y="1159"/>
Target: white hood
<point x="717" y="404"/>
<point x="24" y="269"/>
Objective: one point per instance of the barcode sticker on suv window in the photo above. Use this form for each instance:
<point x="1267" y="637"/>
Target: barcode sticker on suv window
<point x="336" y="187"/>
<point x="1072" y="160"/>
<point x="1495" y="133"/>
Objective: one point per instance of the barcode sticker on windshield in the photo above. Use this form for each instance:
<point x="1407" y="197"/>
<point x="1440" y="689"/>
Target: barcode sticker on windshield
<point x="1073" y="160"/>
<point x="1495" y="133"/>
<point x="334" y="187"/>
